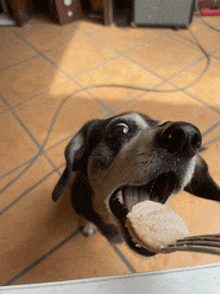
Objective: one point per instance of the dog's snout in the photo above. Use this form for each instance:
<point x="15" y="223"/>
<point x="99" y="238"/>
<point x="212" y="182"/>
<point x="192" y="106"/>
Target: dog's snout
<point x="181" y="138"/>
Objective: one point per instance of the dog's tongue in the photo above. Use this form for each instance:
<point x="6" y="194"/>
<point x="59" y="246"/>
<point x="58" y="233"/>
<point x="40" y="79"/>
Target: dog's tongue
<point x="133" y="196"/>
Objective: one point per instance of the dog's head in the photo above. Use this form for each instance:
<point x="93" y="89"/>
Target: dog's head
<point x="126" y="159"/>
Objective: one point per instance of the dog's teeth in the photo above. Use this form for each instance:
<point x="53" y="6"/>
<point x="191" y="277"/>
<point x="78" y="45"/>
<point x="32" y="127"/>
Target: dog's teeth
<point x="137" y="245"/>
<point x="142" y="196"/>
<point x="130" y="197"/>
<point x="120" y="197"/>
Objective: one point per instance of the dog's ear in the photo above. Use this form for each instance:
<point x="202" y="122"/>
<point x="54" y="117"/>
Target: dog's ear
<point x="201" y="183"/>
<point x="76" y="154"/>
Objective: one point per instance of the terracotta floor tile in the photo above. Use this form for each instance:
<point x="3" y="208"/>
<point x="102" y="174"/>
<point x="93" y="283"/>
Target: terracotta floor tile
<point x="73" y="116"/>
<point x="207" y="89"/>
<point x="88" y="26"/>
<point x="45" y="35"/>
<point x="2" y="105"/>
<point x="35" y="173"/>
<point x="117" y="97"/>
<point x="16" y="145"/>
<point x="62" y="169"/>
<point x="212" y="157"/>
<point x="56" y="154"/>
<point x="120" y="71"/>
<point x="175" y="107"/>
<point x="13" y="50"/>
<point x="114" y="97"/>
<point x="29" y="78"/>
<point x="163" y="31"/>
<point x="123" y="39"/>
<point x="87" y="52"/>
<point x="215" y="21"/>
<point x="212" y="135"/>
<point x="78" y="259"/>
<point x="38" y="113"/>
<point x="164" y="57"/>
<point x="34" y="226"/>
<point x="217" y="54"/>
<point x="208" y="38"/>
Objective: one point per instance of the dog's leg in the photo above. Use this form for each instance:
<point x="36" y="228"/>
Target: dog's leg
<point x="110" y="232"/>
<point x="89" y="229"/>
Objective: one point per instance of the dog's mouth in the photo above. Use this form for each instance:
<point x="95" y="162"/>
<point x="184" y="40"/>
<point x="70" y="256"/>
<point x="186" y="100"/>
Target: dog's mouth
<point x="125" y="197"/>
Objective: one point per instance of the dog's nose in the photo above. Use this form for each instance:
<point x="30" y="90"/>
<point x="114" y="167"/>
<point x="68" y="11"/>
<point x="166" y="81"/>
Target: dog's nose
<point x="180" y="138"/>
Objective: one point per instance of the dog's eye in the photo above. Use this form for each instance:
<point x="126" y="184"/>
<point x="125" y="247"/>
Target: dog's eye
<point x="117" y="135"/>
<point x="120" y="129"/>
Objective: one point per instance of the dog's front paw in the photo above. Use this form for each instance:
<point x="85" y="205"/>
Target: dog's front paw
<point x="89" y="229"/>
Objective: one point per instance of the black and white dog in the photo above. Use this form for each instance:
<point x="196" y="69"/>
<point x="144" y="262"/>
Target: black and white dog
<point x="129" y="158"/>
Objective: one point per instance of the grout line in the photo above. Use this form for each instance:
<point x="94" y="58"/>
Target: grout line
<point x="61" y="70"/>
<point x="29" y="134"/>
<point x="30" y="189"/>
<point x="3" y="101"/>
<point x="153" y="73"/>
<point x="198" y="100"/>
<point x="59" y="142"/>
<point x="36" y="184"/>
<point x="37" y="95"/>
<point x="123" y="54"/>
<point x="71" y="40"/>
<point x="5" y="110"/>
<point x="109" y="110"/>
<point x="123" y="258"/>
<point x="43" y="257"/>
<point x="145" y="69"/>
<point x="15" y="169"/>
<point x="132" y="48"/>
<point x="174" y="86"/>
<point x="96" y="66"/>
<point x="138" y="96"/>
<point x="85" y="32"/>
<point x="19" y="63"/>
<point x="40" y="53"/>
<point x="175" y="74"/>
<point x="21" y="123"/>
<point x="51" y="163"/>
<point x="210" y="129"/>
<point x="29" y="160"/>
<point x="211" y="141"/>
<point x="181" y="41"/>
<point x="195" y="62"/>
<point x="120" y="54"/>
<point x="216" y="57"/>
<point x="142" y="44"/>
<point x="159" y="77"/>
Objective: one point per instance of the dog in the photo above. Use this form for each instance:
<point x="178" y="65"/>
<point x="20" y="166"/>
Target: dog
<point x="128" y="158"/>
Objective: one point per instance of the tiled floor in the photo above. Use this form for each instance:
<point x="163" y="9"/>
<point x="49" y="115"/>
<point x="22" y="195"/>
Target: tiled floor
<point x="42" y="64"/>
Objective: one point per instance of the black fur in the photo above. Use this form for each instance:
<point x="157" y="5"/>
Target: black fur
<point x="165" y="159"/>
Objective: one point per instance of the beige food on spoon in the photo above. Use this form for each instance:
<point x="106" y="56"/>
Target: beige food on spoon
<point x="153" y="225"/>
